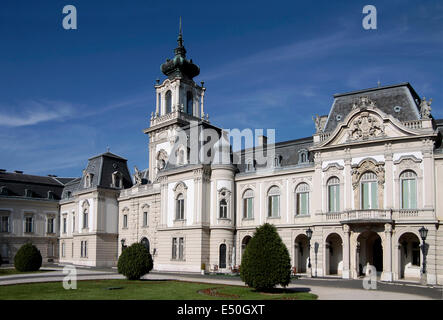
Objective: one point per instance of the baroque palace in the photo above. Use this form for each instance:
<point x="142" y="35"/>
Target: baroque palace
<point x="365" y="186"/>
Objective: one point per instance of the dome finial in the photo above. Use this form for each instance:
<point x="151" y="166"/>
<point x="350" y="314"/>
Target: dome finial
<point x="180" y="34"/>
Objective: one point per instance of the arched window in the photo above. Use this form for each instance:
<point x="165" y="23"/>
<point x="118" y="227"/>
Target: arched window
<point x="333" y="194"/>
<point x="302" y="199"/>
<point x="248" y="204"/>
<point x="189" y="103"/>
<point x="223" y="209"/>
<point x="145" y="242"/>
<point x="274" y="202"/>
<point x="303" y="156"/>
<point x="85" y="218"/>
<point x="168" y="101"/>
<point x="408" y="180"/>
<point x="180" y="207"/>
<point x="368" y="191"/>
<point x="222" y="256"/>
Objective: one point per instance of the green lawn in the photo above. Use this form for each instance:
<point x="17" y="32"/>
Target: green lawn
<point x="12" y="271"/>
<point x="141" y="290"/>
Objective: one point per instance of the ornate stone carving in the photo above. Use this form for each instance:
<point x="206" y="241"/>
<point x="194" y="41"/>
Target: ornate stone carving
<point x="363" y="103"/>
<point x="425" y="108"/>
<point x="364" y="127"/>
<point x="368" y="165"/>
<point x="137" y="176"/>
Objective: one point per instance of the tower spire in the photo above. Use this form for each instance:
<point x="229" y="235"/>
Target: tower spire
<point x="180" y="35"/>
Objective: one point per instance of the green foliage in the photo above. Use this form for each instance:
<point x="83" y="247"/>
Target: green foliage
<point x="135" y="261"/>
<point x="1" y="261"/>
<point x="265" y="261"/>
<point x="28" y="258"/>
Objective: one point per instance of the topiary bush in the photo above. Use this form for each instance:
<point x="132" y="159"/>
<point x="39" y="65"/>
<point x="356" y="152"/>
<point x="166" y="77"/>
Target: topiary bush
<point x="28" y="258"/>
<point x="135" y="261"/>
<point x="265" y="262"/>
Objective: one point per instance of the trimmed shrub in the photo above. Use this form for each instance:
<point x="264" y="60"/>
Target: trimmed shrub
<point x="1" y="261"/>
<point x="265" y="261"/>
<point x="135" y="261"/>
<point x="28" y="258"/>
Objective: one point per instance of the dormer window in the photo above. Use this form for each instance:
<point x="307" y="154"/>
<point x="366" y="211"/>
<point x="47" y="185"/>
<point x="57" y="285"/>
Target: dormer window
<point x="303" y="156"/>
<point x="117" y="180"/>
<point x="3" y="191"/>
<point x="250" y="165"/>
<point x="88" y="180"/>
<point x="28" y="193"/>
<point x="51" y="195"/>
<point x="277" y="161"/>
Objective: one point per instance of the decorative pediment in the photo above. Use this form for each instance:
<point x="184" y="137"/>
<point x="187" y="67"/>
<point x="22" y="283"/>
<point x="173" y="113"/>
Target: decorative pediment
<point x="180" y="187"/>
<point x="365" y="126"/>
<point x="333" y="167"/>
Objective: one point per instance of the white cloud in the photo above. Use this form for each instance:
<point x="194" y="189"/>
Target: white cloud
<point x="34" y="112"/>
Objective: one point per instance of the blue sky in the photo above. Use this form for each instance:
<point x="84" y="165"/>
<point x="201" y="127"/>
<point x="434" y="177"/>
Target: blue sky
<point x="67" y="95"/>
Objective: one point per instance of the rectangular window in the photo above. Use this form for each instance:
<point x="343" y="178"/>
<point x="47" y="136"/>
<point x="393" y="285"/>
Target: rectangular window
<point x="73" y="223"/>
<point x="174" y="248"/>
<point x="409" y="194"/>
<point x="273" y="206"/>
<point x="334" y="198"/>
<point x="4" y="224"/>
<point x="303" y="203"/>
<point x="180" y="209"/>
<point x="84" y="249"/>
<point x="64" y="224"/>
<point x="63" y="249"/>
<point x="125" y="221"/>
<point x="369" y="195"/>
<point x="72" y="250"/>
<point x="85" y="220"/>
<point x="29" y="224"/>
<point x="247" y="208"/>
<point x="145" y="219"/>
<point x="180" y="248"/>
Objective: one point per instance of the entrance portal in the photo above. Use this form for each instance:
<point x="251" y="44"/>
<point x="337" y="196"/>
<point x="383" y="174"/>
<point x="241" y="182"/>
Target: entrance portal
<point x="369" y="251"/>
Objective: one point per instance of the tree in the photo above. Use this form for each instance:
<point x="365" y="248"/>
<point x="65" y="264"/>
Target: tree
<point x="28" y="258"/>
<point x="135" y="261"/>
<point x="265" y="261"/>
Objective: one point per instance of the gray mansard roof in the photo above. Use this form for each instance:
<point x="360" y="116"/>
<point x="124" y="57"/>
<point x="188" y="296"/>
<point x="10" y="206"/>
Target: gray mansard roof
<point x="20" y="185"/>
<point x="102" y="167"/>
<point x="386" y="98"/>
<point x="289" y="153"/>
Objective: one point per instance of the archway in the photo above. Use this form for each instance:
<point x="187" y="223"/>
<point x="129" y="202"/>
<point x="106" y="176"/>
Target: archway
<point x="333" y="254"/>
<point x="369" y="251"/>
<point x="145" y="242"/>
<point x="244" y="243"/>
<point x="409" y="256"/>
<point x="301" y="253"/>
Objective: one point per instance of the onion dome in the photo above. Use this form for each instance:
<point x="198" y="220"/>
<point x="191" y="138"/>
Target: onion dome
<point x="179" y="66"/>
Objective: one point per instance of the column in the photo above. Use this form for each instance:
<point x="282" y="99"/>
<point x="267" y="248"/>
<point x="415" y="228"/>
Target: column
<point x="157" y="103"/>
<point x="202" y="102"/>
<point x="428" y="179"/>
<point x="348" y="182"/>
<point x="346" y="252"/>
<point x="389" y="181"/>
<point x="387" y="254"/>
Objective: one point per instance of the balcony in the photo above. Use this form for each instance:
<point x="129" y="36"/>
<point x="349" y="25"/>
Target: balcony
<point x="380" y="216"/>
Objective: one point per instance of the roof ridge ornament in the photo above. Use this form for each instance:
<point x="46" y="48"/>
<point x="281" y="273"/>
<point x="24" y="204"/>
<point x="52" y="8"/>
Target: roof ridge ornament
<point x="363" y="102"/>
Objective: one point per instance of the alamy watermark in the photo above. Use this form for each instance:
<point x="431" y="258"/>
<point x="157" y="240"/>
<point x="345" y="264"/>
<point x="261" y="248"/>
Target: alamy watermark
<point x="70" y="280"/>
